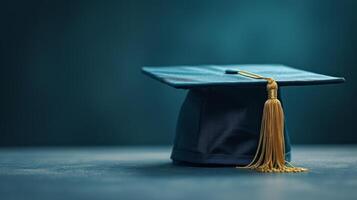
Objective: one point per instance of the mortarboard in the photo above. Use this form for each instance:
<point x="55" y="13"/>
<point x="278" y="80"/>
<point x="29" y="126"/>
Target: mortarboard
<point x="232" y="114"/>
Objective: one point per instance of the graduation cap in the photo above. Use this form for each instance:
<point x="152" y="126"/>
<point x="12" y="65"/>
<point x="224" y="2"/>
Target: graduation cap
<point x="232" y="114"/>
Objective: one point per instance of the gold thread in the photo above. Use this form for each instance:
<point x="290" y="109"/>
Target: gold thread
<point x="270" y="153"/>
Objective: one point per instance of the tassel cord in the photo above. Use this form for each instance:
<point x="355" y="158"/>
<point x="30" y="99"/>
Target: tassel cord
<point x="270" y="153"/>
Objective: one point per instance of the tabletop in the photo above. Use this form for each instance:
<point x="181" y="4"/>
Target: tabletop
<point x="147" y="173"/>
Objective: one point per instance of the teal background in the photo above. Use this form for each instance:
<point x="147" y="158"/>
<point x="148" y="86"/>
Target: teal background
<point x="70" y="70"/>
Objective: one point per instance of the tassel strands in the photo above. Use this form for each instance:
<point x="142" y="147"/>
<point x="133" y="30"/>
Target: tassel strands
<point x="270" y="154"/>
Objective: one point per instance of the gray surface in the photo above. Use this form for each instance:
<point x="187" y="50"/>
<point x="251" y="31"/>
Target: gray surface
<point x="146" y="173"/>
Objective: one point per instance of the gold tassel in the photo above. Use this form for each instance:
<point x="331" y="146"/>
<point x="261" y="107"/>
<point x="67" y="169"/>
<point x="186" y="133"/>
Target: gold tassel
<point x="270" y="154"/>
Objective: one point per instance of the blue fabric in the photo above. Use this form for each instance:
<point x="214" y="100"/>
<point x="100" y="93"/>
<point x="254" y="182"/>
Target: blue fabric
<point x="219" y="122"/>
<point x="213" y="75"/>
<point x="218" y="126"/>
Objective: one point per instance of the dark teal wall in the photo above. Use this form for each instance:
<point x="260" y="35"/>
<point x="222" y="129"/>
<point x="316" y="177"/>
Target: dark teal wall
<point x="70" y="70"/>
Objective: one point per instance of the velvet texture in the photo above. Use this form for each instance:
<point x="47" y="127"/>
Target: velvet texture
<point x="220" y="120"/>
<point x="220" y="125"/>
